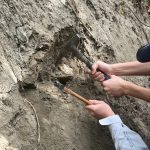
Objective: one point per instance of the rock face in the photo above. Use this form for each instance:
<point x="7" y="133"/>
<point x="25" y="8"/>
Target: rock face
<point x="34" y="114"/>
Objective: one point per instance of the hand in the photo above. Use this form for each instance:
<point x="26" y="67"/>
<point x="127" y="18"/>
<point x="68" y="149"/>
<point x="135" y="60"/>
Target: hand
<point x="99" y="109"/>
<point x="115" y="86"/>
<point x="107" y="68"/>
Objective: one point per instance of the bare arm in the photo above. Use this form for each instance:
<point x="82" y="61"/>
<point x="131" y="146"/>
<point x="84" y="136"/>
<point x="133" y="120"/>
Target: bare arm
<point x="117" y="87"/>
<point x="137" y="91"/>
<point x="131" y="68"/>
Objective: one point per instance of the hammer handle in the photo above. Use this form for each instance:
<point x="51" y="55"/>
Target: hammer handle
<point x="87" y="62"/>
<point x="77" y="96"/>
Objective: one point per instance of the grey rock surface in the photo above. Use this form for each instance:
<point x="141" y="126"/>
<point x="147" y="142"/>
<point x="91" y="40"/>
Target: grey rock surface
<point x="32" y="33"/>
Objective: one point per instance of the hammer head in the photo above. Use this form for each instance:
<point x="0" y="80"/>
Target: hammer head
<point x="71" y="46"/>
<point x="73" y="43"/>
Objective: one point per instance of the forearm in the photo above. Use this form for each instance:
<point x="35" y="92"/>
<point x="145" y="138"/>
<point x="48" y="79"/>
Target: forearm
<point x="137" y="91"/>
<point x="131" y="68"/>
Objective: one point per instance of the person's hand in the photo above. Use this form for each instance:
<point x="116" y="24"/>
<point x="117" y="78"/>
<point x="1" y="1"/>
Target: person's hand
<point x="99" y="109"/>
<point x="115" y="86"/>
<point x="99" y="76"/>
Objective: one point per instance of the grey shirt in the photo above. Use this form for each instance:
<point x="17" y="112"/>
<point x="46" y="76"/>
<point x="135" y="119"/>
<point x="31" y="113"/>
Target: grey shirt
<point x="123" y="137"/>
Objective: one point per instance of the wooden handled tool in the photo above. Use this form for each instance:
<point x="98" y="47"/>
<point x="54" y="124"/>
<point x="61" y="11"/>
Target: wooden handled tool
<point x="69" y="91"/>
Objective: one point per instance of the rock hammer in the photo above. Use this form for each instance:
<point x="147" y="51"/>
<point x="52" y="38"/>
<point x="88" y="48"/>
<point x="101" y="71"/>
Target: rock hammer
<point x="72" y="45"/>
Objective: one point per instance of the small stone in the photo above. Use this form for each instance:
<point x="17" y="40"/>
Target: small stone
<point x="39" y="55"/>
<point x="66" y="69"/>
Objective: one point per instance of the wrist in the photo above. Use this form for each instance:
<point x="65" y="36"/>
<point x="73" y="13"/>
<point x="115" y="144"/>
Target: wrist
<point x="112" y="69"/>
<point x="127" y="87"/>
<point x="111" y="113"/>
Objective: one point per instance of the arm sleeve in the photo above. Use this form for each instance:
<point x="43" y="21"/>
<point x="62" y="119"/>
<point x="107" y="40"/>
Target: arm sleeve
<point x="123" y="137"/>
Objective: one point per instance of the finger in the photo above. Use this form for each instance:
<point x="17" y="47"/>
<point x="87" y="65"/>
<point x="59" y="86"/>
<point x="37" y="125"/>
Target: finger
<point x="106" y="88"/>
<point x="110" y="94"/>
<point x="105" y="82"/>
<point x="97" y="74"/>
<point x="100" y="78"/>
<point x="90" y="107"/>
<point x="87" y="71"/>
<point x="95" y="102"/>
<point x="92" y="113"/>
<point x="112" y="76"/>
<point x="94" y="67"/>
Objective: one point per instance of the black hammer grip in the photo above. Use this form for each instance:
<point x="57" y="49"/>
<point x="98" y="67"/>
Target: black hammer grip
<point x="80" y="56"/>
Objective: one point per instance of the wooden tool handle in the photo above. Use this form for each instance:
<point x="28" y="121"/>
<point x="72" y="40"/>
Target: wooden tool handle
<point x="77" y="96"/>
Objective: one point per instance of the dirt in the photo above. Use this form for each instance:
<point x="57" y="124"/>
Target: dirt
<point x="36" y="115"/>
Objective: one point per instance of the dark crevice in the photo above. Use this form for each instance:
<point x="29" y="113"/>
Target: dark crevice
<point x="64" y="80"/>
<point x="16" y="117"/>
<point x="22" y="86"/>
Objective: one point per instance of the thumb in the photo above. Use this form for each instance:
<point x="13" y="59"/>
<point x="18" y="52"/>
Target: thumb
<point x="94" y="67"/>
<point x="94" y="102"/>
<point x="112" y="76"/>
